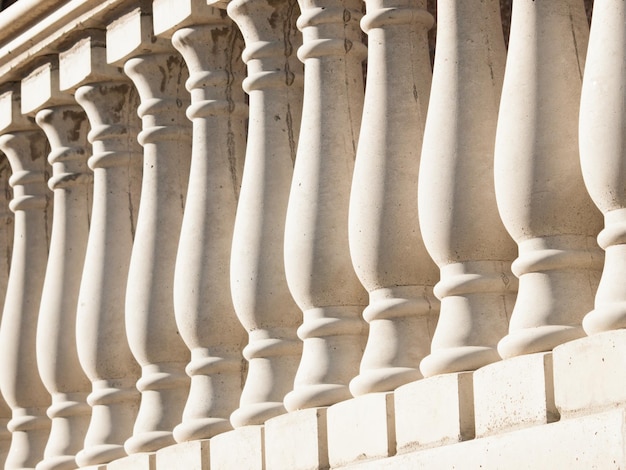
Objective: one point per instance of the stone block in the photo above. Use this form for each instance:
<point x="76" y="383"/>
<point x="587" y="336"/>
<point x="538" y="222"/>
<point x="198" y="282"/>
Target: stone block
<point x="589" y="442"/>
<point x="143" y="461"/>
<point x="590" y="373"/>
<point x="85" y="62"/>
<point x="170" y="15"/>
<point x="297" y="440"/>
<point x="128" y="36"/>
<point x="192" y="455"/>
<point x="362" y="428"/>
<point x="514" y="393"/>
<point x="241" y="449"/>
<point x="41" y="88"/>
<point x="434" y="411"/>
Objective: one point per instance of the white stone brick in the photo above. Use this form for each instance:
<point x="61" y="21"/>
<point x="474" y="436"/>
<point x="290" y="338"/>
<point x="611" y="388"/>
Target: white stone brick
<point x="514" y="393"/>
<point x="362" y="428"/>
<point x="192" y="455"/>
<point x="434" y="411"/>
<point x="143" y="461"/>
<point x="297" y="440"/>
<point x="241" y="449"/>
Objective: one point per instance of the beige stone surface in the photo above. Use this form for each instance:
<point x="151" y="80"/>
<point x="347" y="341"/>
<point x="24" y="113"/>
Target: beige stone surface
<point x="434" y="411"/>
<point x="590" y="373"/>
<point x="361" y="428"/>
<point x="193" y="455"/>
<point x="241" y="449"/>
<point x="593" y="442"/>
<point x="514" y="393"/>
<point x="297" y="440"/>
<point x="145" y="461"/>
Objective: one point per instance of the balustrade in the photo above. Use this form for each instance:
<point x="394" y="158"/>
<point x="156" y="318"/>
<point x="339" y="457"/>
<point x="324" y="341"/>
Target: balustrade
<point x="66" y="126"/>
<point x="204" y="191"/>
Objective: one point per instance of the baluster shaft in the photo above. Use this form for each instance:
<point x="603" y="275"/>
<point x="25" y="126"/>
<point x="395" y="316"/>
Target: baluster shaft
<point x="159" y="74"/>
<point x="262" y="300"/>
<point x="539" y="186"/>
<point x="385" y="242"/>
<point x="202" y="299"/>
<point x="26" y="148"/>
<point x="66" y="127"/>
<point x="602" y="152"/>
<point x="318" y="266"/>
<point x="458" y="214"/>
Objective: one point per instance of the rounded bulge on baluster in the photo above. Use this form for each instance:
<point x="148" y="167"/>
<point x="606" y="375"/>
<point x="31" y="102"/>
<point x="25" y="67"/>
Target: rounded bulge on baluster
<point x="386" y="365"/>
<point x="271" y="353"/>
<point x="333" y="343"/>
<point x="609" y="311"/>
<point x="555" y="285"/>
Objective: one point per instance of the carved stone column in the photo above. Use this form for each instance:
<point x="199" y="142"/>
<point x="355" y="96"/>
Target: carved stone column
<point x="262" y="300"/>
<point x="458" y="213"/>
<point x="6" y="246"/>
<point x="539" y="186"/>
<point x="211" y="46"/>
<point x="159" y="75"/>
<point x="602" y="146"/>
<point x="26" y="148"/>
<point x="66" y="126"/>
<point x="110" y="102"/>
<point x="385" y="242"/>
<point x="317" y="259"/>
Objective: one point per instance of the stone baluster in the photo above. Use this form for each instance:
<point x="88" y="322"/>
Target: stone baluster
<point x="317" y="260"/>
<point x="259" y="287"/>
<point x="539" y="186"/>
<point x="66" y="126"/>
<point x="385" y="242"/>
<point x="6" y="245"/>
<point x="457" y="205"/>
<point x="602" y="145"/>
<point x="26" y="148"/>
<point x="211" y="45"/>
<point x="159" y="75"/>
<point x="110" y="102"/>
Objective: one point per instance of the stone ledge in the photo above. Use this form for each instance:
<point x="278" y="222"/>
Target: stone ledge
<point x="590" y="374"/>
<point x="594" y="441"/>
